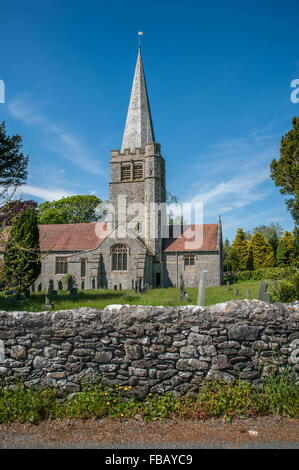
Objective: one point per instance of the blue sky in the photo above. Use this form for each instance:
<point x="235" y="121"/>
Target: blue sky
<point x="218" y="77"/>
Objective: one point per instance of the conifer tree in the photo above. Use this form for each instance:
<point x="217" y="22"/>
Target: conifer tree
<point x="282" y="253"/>
<point x="291" y="248"/>
<point x="240" y="251"/>
<point x="22" y="252"/>
<point x="262" y="252"/>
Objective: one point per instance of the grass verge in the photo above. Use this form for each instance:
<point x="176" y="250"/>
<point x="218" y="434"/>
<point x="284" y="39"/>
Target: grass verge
<point x="278" y="394"/>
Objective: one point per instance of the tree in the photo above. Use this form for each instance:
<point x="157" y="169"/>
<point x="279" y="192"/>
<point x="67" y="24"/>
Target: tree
<point x="13" y="163"/>
<point x="262" y="252"/>
<point x="267" y="230"/>
<point x="291" y="247"/>
<point x="69" y="210"/>
<point x="285" y="171"/>
<point x="282" y="253"/>
<point x="227" y="262"/>
<point x="22" y="252"/>
<point x="240" y="247"/>
<point x="13" y="209"/>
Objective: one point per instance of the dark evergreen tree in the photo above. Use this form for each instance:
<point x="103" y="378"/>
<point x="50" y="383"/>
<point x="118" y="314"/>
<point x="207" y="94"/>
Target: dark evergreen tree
<point x="285" y="171"/>
<point x="13" y="163"/>
<point x="22" y="256"/>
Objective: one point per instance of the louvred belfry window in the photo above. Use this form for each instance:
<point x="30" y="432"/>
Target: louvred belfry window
<point x="138" y="171"/>
<point x="125" y="172"/>
<point x="120" y="257"/>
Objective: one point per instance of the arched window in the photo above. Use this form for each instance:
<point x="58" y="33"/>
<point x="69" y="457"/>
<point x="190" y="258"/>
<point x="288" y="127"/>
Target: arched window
<point x="119" y="254"/>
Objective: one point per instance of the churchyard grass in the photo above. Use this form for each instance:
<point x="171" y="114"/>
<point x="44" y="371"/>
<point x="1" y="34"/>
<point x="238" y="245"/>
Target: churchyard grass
<point x="100" y="298"/>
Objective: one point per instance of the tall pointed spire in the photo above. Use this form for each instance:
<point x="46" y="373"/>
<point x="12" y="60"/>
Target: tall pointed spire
<point x="139" y="128"/>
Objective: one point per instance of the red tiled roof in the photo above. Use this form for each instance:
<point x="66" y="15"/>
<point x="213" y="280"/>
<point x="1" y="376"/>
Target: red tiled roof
<point x="68" y="237"/>
<point x="201" y="237"/>
<point x="79" y="237"/>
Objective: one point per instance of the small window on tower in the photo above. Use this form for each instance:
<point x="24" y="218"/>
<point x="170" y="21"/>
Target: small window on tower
<point x="138" y="171"/>
<point x="126" y="172"/>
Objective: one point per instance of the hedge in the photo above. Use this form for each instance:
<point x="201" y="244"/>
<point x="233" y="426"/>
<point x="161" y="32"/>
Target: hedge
<point x="268" y="273"/>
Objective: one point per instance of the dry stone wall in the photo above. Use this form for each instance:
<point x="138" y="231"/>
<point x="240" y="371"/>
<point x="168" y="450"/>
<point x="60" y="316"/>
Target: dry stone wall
<point x="153" y="349"/>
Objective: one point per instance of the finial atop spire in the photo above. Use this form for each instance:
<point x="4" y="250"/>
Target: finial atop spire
<point x="140" y="33"/>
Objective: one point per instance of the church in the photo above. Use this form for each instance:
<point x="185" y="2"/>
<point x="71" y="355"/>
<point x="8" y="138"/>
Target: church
<point x="128" y="249"/>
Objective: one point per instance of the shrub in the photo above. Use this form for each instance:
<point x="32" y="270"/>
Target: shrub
<point x="268" y="273"/>
<point x="288" y="291"/>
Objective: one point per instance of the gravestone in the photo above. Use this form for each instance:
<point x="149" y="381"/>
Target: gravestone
<point x="73" y="293"/>
<point x="275" y="285"/>
<point x="182" y="287"/>
<point x="263" y="290"/>
<point x="267" y="298"/>
<point x="48" y="294"/>
<point x="248" y="294"/>
<point x="237" y="292"/>
<point x="202" y="287"/>
<point x="186" y="297"/>
<point x="26" y="293"/>
<point x="227" y="285"/>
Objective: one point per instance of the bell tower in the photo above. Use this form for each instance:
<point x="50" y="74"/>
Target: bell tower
<point x="137" y="171"/>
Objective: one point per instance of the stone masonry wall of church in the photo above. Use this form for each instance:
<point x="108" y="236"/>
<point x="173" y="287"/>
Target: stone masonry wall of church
<point x="153" y="349"/>
<point x="175" y="267"/>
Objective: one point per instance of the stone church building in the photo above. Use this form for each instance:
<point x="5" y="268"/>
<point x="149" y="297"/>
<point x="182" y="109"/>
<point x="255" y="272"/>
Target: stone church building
<point x="129" y="249"/>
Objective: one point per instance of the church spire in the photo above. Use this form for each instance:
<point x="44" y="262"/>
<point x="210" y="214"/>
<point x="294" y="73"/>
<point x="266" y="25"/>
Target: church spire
<point x="139" y="128"/>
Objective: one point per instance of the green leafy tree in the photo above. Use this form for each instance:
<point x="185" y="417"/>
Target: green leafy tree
<point x="262" y="252"/>
<point x="22" y="252"/>
<point x="70" y="210"/>
<point x="13" y="163"/>
<point x="285" y="171"/>
<point x="240" y="251"/>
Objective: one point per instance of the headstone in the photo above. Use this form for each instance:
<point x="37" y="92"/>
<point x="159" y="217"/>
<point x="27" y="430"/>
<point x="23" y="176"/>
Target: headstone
<point x="136" y="286"/>
<point x="48" y="294"/>
<point x="267" y="298"/>
<point x="186" y="297"/>
<point x="202" y="287"/>
<point x="227" y="285"/>
<point x="275" y="285"/>
<point x="26" y="293"/>
<point x="73" y="292"/>
<point x="237" y="292"/>
<point x="248" y="294"/>
<point x="182" y="287"/>
<point x="69" y="283"/>
<point x="263" y="290"/>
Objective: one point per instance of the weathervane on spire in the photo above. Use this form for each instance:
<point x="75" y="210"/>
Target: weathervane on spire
<point x="140" y="33"/>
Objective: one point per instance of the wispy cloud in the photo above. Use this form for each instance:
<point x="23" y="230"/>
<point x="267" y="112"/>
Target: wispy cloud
<point x="47" y="194"/>
<point x="58" y="140"/>
<point x="233" y="174"/>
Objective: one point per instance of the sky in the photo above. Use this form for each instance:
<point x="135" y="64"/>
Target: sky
<point x="219" y="82"/>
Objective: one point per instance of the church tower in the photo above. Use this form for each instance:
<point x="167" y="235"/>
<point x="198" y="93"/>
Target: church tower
<point x="137" y="171"/>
